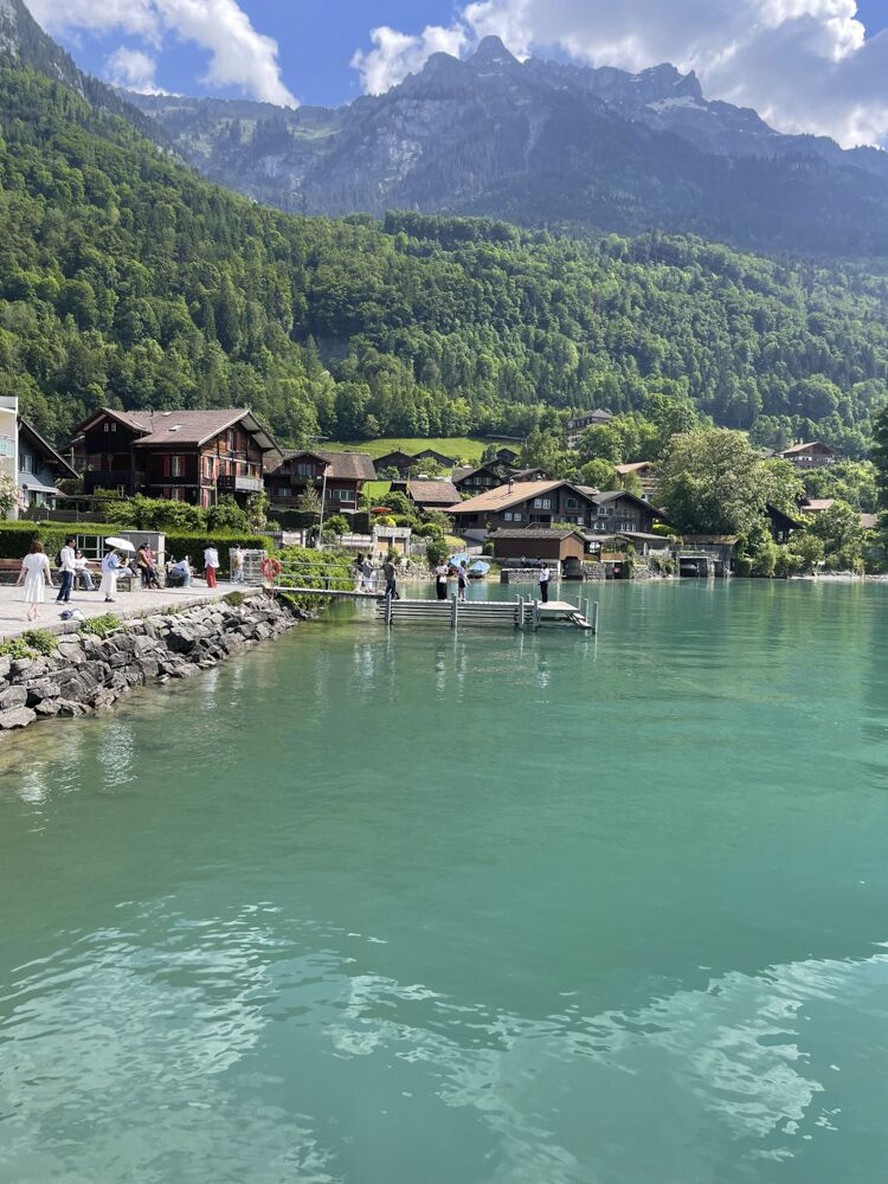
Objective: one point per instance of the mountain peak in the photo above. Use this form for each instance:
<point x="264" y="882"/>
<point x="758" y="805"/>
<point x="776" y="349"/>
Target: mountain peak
<point x="492" y="52"/>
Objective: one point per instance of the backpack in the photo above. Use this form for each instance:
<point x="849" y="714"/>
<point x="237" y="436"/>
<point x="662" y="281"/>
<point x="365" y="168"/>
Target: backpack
<point x="58" y="559"/>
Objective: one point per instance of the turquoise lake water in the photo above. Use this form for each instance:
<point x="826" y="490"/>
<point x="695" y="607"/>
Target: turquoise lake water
<point x="410" y="908"/>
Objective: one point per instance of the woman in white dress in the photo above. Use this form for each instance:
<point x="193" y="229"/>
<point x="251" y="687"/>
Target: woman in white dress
<point x="110" y="572"/>
<point x="35" y="575"/>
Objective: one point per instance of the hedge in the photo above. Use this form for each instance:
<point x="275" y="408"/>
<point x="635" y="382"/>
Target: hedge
<point x="15" y="540"/>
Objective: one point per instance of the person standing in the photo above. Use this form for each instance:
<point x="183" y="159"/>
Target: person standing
<point x="391" y="582"/>
<point x="462" y="581"/>
<point x="236" y="556"/>
<point x="110" y="571"/>
<point x="441" y="580"/>
<point x="211" y="564"/>
<point x="367" y="573"/>
<point x="67" y="569"/>
<point x="35" y="575"/>
<point x="545" y="576"/>
<point x="358" y="571"/>
<point x="146" y="569"/>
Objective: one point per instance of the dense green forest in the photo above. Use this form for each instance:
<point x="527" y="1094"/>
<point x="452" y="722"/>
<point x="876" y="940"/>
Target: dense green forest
<point x="126" y="280"/>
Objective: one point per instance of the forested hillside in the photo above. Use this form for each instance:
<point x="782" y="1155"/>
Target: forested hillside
<point x="125" y="279"/>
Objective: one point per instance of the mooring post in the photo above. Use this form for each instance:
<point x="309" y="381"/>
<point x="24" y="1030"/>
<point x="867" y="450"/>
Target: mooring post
<point x="454" y="610"/>
<point x="520" y="621"/>
<point x="389" y="599"/>
<point x="536" y="614"/>
<point x="595" y="617"/>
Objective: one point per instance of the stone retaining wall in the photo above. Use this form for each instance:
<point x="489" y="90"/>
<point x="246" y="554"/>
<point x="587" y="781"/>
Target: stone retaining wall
<point x="87" y="673"/>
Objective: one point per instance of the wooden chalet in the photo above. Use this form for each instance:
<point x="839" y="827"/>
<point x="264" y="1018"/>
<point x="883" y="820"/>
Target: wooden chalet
<point x="620" y="512"/>
<point x="586" y="419"/>
<point x="813" y="455"/>
<point x="432" y="494"/>
<point x="432" y="454"/>
<point x="338" y="477"/>
<point x="40" y="468"/>
<point x="645" y="471"/>
<point x="479" y="478"/>
<point x="187" y="456"/>
<point x="400" y="461"/>
<point x="542" y="503"/>
<point x="780" y="524"/>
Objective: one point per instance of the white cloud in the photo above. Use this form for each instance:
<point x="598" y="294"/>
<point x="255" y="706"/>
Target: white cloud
<point x="805" y="65"/>
<point x="398" y="54"/>
<point x="134" y="70"/>
<point x="239" y="55"/>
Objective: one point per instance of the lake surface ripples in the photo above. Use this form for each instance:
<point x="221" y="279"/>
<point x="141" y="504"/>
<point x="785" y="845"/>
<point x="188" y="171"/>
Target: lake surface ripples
<point x="495" y="908"/>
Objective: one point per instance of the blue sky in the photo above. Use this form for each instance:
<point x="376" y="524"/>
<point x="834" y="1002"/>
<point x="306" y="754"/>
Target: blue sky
<point x="805" y="65"/>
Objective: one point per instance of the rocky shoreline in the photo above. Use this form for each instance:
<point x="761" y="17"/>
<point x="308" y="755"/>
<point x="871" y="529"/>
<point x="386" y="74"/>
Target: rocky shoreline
<point x="88" y="673"/>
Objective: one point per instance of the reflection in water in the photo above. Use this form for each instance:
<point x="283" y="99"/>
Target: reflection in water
<point x="551" y="872"/>
<point x="733" y="1062"/>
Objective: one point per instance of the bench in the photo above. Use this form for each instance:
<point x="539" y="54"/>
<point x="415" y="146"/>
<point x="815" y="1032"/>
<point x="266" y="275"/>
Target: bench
<point x="10" y="568"/>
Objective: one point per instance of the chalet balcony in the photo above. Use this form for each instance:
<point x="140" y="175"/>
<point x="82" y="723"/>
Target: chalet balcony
<point x="239" y="484"/>
<point x="127" y="479"/>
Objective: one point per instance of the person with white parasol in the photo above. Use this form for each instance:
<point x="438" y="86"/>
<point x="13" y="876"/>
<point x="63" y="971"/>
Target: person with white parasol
<point x="111" y="566"/>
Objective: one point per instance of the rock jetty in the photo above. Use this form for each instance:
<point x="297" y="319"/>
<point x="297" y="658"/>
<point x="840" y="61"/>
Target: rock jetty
<point x="88" y="673"/>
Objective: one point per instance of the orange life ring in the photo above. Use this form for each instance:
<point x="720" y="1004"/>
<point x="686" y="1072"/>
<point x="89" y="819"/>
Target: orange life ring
<point x="270" y="568"/>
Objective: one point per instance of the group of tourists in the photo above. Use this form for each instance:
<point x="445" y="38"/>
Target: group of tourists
<point x="364" y="575"/>
<point x="445" y="572"/>
<point x="73" y="568"/>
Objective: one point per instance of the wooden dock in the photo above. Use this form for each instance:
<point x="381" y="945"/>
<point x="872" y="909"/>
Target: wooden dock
<point x="522" y="613"/>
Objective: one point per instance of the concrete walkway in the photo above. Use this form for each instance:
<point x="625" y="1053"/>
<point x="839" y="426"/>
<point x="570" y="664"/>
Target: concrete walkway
<point x="128" y="604"/>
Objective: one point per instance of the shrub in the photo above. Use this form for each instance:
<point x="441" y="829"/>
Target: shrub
<point x="41" y="641"/>
<point x="101" y="626"/>
<point x="436" y="552"/>
<point x="227" y="516"/>
<point x="15" y="648"/>
<point x="235" y="599"/>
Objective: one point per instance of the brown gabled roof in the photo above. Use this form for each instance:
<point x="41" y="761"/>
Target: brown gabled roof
<point x="431" y="492"/>
<point x="603" y="496"/>
<point x="505" y="496"/>
<point x="634" y="467"/>
<point x="535" y="532"/>
<point x="165" y="428"/>
<point x="46" y="450"/>
<point x="793" y="448"/>
<point x="342" y="466"/>
<point x="816" y="505"/>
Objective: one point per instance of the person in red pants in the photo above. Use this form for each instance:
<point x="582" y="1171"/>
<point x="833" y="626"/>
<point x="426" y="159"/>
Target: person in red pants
<point x="211" y="563"/>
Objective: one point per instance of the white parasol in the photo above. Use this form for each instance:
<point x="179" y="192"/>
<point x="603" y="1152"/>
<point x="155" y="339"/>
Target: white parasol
<point x="119" y="544"/>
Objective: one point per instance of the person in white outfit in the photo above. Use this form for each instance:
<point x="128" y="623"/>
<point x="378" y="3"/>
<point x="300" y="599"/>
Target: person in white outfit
<point x="110" y="571"/>
<point x="35" y="575"/>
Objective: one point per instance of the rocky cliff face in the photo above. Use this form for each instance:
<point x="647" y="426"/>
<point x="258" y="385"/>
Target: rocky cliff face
<point x="542" y="143"/>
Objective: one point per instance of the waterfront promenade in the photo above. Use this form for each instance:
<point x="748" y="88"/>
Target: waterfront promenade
<point x="128" y="604"/>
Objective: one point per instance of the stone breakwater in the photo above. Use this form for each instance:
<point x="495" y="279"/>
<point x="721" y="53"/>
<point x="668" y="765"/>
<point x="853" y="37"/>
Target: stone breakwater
<point x="87" y="673"/>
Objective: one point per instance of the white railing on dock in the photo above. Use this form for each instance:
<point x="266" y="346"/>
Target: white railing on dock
<point x="516" y="614"/>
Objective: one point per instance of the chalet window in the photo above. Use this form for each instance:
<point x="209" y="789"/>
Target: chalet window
<point x="231" y="440"/>
<point x="304" y="468"/>
<point x="177" y="467"/>
<point x="26" y="462"/>
<point x="517" y="516"/>
<point x="208" y="467"/>
<point x="542" y="503"/>
<point x="572" y="503"/>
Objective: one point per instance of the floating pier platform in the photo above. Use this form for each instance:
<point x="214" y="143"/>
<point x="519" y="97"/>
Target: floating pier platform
<point x="522" y="613"/>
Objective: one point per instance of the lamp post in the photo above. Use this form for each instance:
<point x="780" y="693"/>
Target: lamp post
<point x="323" y="507"/>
